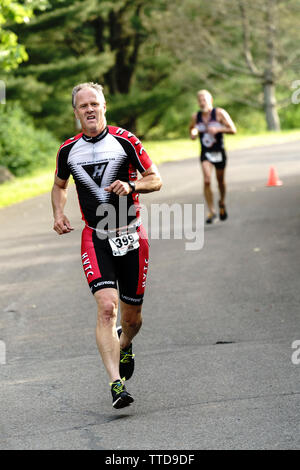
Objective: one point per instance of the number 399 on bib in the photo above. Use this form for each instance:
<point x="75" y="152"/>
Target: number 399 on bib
<point x="124" y="243"/>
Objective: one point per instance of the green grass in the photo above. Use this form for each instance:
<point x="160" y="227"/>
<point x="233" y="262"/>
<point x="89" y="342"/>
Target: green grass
<point x="41" y="181"/>
<point x="25" y="187"/>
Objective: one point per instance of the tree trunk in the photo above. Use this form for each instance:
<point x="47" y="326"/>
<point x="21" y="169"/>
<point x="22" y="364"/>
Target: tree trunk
<point x="270" y="106"/>
<point x="126" y="45"/>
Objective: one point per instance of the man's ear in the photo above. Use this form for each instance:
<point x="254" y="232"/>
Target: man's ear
<point x="75" y="112"/>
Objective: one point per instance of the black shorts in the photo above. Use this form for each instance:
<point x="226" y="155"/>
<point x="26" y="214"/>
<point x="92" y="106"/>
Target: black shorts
<point x="207" y="155"/>
<point x="128" y="273"/>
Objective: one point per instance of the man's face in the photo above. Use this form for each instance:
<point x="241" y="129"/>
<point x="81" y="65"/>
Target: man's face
<point x="90" y="109"/>
<point x="205" y="102"/>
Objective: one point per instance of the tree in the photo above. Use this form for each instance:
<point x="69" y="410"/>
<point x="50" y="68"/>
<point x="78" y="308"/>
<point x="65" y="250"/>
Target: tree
<point x="85" y="40"/>
<point x="235" y="40"/>
<point x="12" y="53"/>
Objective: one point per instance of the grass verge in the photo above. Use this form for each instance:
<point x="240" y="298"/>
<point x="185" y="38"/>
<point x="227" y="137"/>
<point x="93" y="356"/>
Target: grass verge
<point x="26" y="187"/>
<point x="41" y="181"/>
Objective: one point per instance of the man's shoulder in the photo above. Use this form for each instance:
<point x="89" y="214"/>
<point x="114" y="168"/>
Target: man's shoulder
<point x="132" y="145"/>
<point x="125" y="135"/>
<point x="121" y="132"/>
<point x="222" y="115"/>
<point x="220" y="111"/>
<point x="70" y="140"/>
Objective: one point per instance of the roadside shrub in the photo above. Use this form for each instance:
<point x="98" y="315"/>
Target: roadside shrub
<point x="23" y="148"/>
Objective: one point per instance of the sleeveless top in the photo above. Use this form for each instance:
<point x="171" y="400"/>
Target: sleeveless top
<point x="213" y="143"/>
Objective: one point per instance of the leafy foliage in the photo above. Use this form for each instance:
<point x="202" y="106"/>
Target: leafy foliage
<point x="89" y="40"/>
<point x="12" y="53"/>
<point x="152" y="56"/>
<point x="22" y="147"/>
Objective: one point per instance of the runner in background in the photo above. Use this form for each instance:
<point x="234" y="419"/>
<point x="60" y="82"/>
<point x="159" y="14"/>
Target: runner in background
<point x="210" y="124"/>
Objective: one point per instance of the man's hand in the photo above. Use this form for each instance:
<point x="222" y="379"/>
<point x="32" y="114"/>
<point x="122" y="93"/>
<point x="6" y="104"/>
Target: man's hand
<point x="121" y="188"/>
<point x="59" y="198"/>
<point x="194" y="133"/>
<point x="62" y="225"/>
<point x="150" y="181"/>
<point x="213" y="130"/>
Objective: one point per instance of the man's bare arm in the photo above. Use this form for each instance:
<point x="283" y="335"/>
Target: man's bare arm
<point x="228" y="124"/>
<point x="59" y="199"/>
<point x="192" y="128"/>
<point x="150" y="181"/>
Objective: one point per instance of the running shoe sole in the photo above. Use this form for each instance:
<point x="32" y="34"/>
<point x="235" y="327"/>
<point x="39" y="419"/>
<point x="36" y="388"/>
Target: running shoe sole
<point x="124" y="400"/>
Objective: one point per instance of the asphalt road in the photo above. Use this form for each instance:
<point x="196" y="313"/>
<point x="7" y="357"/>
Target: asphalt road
<point x="214" y="363"/>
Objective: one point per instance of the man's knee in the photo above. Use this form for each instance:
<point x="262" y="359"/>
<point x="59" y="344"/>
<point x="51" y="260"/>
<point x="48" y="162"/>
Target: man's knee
<point x="107" y="312"/>
<point x="107" y="307"/>
<point x="207" y="181"/>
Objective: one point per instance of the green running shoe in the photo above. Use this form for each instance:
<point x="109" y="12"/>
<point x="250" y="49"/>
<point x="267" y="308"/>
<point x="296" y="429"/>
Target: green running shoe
<point x="126" y="359"/>
<point x="120" y="396"/>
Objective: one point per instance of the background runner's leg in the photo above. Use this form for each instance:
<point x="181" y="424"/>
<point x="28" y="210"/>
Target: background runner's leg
<point x="221" y="182"/>
<point x="131" y="322"/>
<point x="106" y="335"/>
<point x="207" y="168"/>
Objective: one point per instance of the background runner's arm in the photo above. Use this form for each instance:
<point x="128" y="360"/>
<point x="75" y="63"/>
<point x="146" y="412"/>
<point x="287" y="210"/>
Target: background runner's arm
<point x="228" y="124"/>
<point x="59" y="199"/>
<point x="193" y="131"/>
<point x="150" y="181"/>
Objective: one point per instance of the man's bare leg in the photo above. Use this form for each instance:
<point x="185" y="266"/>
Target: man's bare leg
<point x="106" y="335"/>
<point x="131" y="322"/>
<point x="222" y="188"/>
<point x="207" y="168"/>
<point x="221" y="183"/>
<point x="109" y="344"/>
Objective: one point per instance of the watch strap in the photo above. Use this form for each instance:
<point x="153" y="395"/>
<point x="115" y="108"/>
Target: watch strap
<point x="132" y="185"/>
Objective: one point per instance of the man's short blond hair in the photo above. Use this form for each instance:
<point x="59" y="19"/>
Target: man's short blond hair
<point x="95" y="86"/>
<point x="204" y="92"/>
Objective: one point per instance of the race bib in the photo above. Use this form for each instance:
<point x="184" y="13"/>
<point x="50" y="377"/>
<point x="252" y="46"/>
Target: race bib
<point x="208" y="140"/>
<point x="201" y="126"/>
<point x="124" y="243"/>
<point x="214" y="157"/>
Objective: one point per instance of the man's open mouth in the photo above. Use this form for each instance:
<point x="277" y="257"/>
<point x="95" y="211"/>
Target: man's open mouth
<point x="91" y="118"/>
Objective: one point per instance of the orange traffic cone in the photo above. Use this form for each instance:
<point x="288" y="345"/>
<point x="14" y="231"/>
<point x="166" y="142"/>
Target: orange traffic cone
<point x="273" y="178"/>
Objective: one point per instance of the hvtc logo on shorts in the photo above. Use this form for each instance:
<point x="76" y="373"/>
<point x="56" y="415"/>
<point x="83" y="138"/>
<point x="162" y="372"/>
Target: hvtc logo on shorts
<point x="145" y="273"/>
<point x="87" y="265"/>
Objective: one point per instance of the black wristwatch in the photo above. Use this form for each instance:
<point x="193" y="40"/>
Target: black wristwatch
<point x="132" y="185"/>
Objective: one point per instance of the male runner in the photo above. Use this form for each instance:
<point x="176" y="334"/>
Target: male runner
<point x="211" y="123"/>
<point x="103" y="161"/>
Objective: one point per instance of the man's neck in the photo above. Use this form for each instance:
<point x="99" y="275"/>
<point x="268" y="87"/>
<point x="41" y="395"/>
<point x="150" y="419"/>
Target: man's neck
<point x="208" y="110"/>
<point x="94" y="133"/>
<point x="96" y="137"/>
